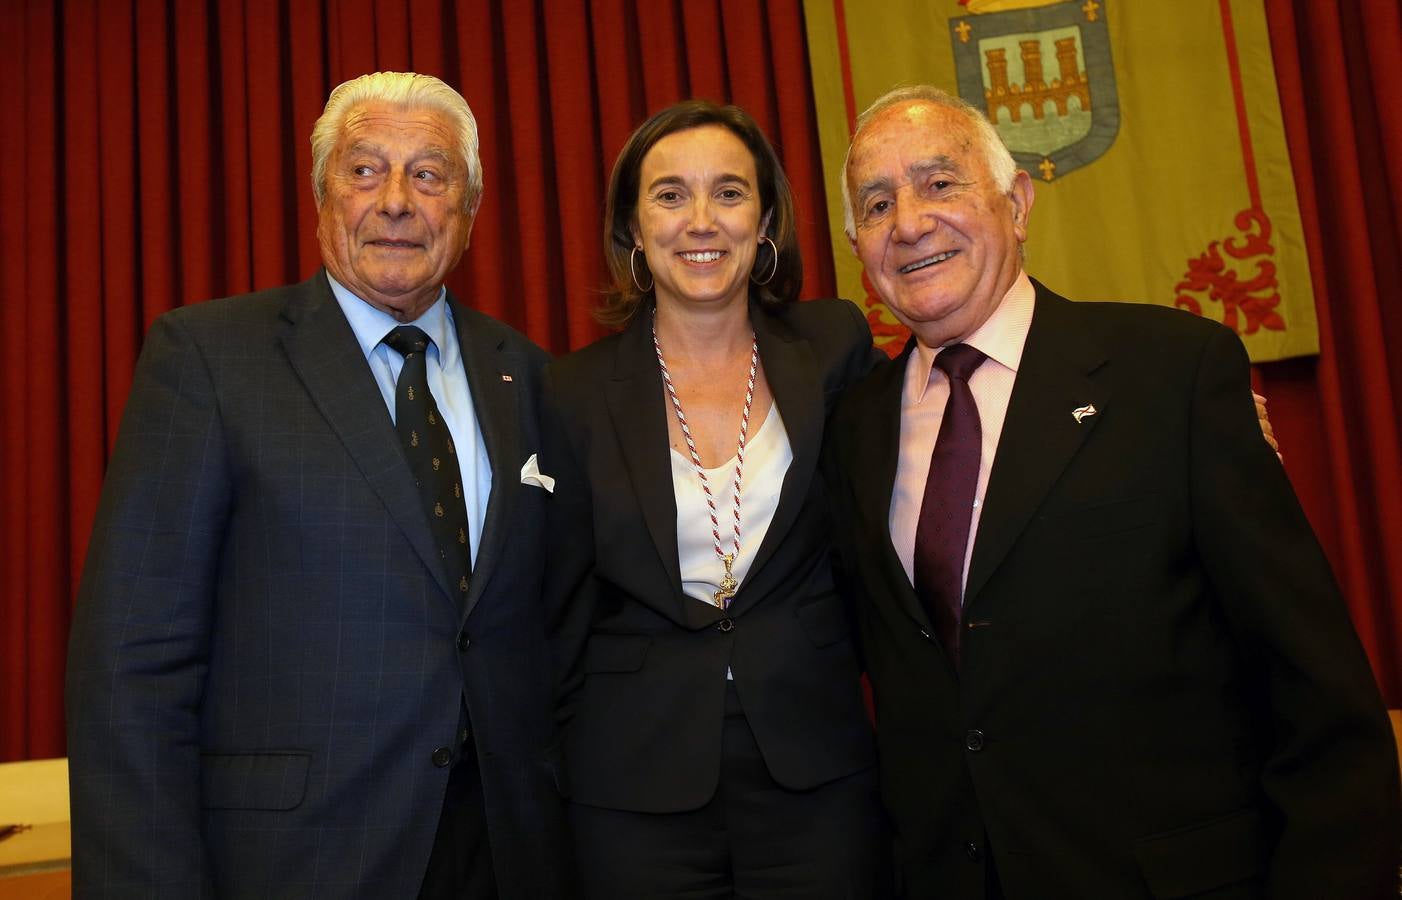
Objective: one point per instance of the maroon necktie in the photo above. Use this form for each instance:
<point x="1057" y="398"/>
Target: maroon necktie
<point x="942" y="535"/>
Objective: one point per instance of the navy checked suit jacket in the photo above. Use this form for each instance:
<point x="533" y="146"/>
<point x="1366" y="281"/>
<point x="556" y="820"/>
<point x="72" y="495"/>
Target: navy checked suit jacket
<point x="266" y="653"/>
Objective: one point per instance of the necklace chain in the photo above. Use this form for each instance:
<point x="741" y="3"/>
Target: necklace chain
<point x="728" y="583"/>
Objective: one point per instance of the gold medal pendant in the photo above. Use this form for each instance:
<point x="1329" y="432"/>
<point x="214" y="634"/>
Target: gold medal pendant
<point x="727" y="582"/>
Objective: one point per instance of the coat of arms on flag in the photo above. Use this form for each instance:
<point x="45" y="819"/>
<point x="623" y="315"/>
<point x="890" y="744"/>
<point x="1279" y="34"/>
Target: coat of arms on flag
<point x="1152" y="132"/>
<point x="1041" y="70"/>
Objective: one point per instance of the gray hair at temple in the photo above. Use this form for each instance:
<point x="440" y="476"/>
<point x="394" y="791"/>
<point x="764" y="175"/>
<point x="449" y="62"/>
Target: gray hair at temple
<point x="995" y="153"/>
<point x="403" y="89"/>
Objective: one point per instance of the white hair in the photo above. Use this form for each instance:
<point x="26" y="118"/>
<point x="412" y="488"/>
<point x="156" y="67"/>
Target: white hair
<point x="995" y="153"/>
<point x="403" y="89"/>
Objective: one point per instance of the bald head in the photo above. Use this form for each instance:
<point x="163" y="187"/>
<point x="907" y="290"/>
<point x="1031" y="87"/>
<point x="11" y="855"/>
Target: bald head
<point x="996" y="155"/>
<point x="937" y="220"/>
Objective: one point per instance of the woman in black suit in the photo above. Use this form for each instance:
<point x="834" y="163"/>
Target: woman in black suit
<point x="714" y="738"/>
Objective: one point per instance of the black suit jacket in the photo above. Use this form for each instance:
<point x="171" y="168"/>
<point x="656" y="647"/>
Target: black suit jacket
<point x="1161" y="694"/>
<point x="644" y="664"/>
<point x="266" y="654"/>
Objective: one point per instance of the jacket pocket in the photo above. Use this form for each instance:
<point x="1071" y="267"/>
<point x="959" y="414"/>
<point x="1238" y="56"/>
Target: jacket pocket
<point x="824" y="620"/>
<point x="271" y="780"/>
<point x="1200" y="857"/>
<point x="615" y="653"/>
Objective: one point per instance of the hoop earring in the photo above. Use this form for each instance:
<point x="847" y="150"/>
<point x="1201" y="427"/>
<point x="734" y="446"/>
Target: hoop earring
<point x="633" y="270"/>
<point x="774" y="269"/>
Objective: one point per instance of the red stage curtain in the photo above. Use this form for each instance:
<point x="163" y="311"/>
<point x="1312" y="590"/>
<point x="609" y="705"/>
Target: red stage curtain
<point x="156" y="154"/>
<point x="1339" y="417"/>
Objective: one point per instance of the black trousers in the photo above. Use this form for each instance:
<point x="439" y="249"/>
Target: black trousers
<point x="754" y="839"/>
<point x="460" y="866"/>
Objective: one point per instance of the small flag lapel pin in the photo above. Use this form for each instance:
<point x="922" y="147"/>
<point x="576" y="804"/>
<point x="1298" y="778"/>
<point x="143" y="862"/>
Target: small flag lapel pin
<point x="1081" y="412"/>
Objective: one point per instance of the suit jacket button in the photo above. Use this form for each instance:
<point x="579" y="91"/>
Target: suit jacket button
<point x="442" y="756"/>
<point x="973" y="851"/>
<point x="973" y="741"/>
<point x="463" y="642"/>
<point x="725" y="625"/>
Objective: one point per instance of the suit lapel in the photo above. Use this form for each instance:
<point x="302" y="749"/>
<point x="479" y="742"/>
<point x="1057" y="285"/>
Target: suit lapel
<point x="878" y="451"/>
<point x="324" y="352"/>
<point x="495" y="403"/>
<point x="1040" y="434"/>
<point x="639" y="416"/>
<point x="797" y="386"/>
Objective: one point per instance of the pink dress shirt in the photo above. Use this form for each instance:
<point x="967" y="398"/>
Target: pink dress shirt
<point x="923" y="397"/>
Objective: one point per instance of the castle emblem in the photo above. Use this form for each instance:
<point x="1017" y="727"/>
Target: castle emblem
<point x="1041" y="70"/>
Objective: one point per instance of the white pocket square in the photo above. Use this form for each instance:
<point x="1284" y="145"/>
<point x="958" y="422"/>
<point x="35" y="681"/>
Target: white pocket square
<point x="531" y="474"/>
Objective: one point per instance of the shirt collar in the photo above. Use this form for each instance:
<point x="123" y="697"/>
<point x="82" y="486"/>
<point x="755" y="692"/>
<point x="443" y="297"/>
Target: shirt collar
<point x="1001" y="337"/>
<point x="371" y="325"/>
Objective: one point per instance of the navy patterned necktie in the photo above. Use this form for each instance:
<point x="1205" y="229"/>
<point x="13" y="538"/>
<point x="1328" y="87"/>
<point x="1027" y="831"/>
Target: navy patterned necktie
<point x="432" y="457"/>
<point x="942" y="535"/>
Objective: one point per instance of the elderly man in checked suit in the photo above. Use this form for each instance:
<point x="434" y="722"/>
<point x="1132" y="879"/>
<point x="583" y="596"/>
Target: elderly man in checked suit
<point x="308" y="657"/>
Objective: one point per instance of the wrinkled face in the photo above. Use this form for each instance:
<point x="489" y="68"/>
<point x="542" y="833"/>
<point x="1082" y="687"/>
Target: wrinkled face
<point x="939" y="240"/>
<point x="392" y="223"/>
<point x="698" y="217"/>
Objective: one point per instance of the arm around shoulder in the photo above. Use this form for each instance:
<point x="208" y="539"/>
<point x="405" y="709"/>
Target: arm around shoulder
<point x="867" y="355"/>
<point x="1330" y="769"/>
<point x="569" y="574"/>
<point x="850" y="336"/>
<point x="139" y="641"/>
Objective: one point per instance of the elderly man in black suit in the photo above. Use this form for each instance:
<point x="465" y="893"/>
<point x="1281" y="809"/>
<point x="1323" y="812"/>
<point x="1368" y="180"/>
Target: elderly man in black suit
<point x="1108" y="656"/>
<point x="308" y="658"/>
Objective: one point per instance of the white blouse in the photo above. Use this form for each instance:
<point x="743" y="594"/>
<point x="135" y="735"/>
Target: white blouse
<point x="767" y="458"/>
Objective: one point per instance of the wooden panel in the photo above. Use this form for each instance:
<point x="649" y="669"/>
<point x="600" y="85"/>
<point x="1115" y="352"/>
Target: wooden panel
<point x="40" y="886"/>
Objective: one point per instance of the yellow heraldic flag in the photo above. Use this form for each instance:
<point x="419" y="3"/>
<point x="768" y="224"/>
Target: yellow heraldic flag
<point x="1152" y="132"/>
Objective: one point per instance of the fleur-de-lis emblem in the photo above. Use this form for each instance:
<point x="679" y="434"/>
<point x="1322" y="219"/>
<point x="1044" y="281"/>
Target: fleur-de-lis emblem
<point x="452" y="449"/>
<point x="411" y="392"/>
<point x="413" y="439"/>
<point x="462" y="536"/>
<point x="431" y="419"/>
<point x="438" y="510"/>
<point x="436" y="463"/>
<point x="457" y="489"/>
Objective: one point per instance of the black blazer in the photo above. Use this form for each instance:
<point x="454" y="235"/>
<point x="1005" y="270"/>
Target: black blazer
<point x="266" y="656"/>
<point x="643" y="664"/>
<point x="1161" y="693"/>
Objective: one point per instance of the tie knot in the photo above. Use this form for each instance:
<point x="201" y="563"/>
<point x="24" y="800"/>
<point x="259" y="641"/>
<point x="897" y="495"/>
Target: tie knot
<point x="959" y="361"/>
<point x="407" y="339"/>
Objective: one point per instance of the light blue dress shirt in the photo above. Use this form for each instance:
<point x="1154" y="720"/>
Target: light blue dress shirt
<point x="447" y="381"/>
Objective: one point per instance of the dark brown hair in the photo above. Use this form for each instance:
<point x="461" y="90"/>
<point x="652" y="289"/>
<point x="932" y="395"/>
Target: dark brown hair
<point x="623" y="297"/>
